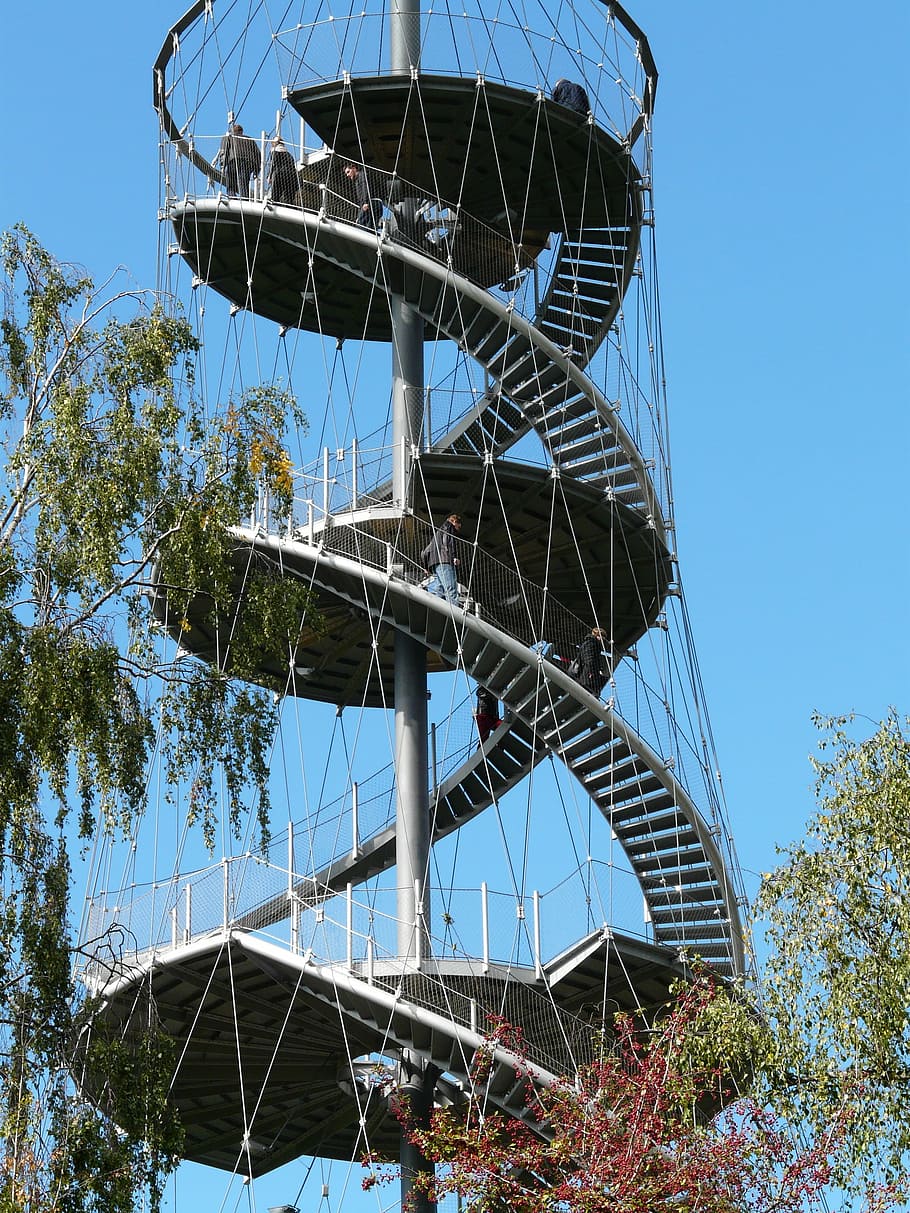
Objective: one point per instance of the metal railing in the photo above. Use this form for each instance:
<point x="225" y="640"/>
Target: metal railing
<point x="333" y="511"/>
<point x="481" y="925"/>
<point x="619" y="75"/>
<point x="397" y="209"/>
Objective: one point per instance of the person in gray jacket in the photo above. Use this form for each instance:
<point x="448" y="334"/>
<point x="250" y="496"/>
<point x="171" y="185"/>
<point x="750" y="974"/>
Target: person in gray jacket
<point x="240" y="159"/>
<point x="440" y="556"/>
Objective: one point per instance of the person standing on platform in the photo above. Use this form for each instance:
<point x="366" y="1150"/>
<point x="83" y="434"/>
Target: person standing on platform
<point x="369" y="209"/>
<point x="572" y="96"/>
<point x="591" y="666"/>
<point x="240" y="159"/>
<point x="283" y="184"/>
<point x="440" y="556"/>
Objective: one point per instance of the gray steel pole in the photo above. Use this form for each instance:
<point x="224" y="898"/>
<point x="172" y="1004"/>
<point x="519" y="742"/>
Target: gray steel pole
<point x="407" y="392"/>
<point x="412" y="803"/>
<point x="412" y="806"/>
<point x="405" y="35"/>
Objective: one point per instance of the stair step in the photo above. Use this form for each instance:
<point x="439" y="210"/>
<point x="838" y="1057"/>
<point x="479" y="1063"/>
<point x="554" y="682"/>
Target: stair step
<point x="505" y="767"/>
<point x="543" y="402"/>
<point x="491" y="343"/>
<point x="431" y="294"/>
<point x="476" y="786"/>
<point x="664" y="895"/>
<point x="587" y="254"/>
<point x="573" y="315"/>
<point x="619" y="790"/>
<point x="632" y="497"/>
<point x="473" y="441"/>
<point x="565" y="718"/>
<point x="457" y="802"/>
<point x="659" y="824"/>
<point x="691" y="914"/>
<point x="616" y="805"/>
<point x="600" y="465"/>
<point x="678" y="850"/>
<point x="578" y="750"/>
<point x="602" y="443"/>
<point x="513" y="355"/>
<point x="536" y="380"/>
<point x="600" y="293"/>
<point x="617" y="758"/>
<point x="508" y="676"/>
<point x="718" y="952"/>
<point x="557" y="415"/>
<point x="670" y="877"/>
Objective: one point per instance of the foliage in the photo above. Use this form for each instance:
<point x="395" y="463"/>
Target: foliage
<point x="113" y="475"/>
<point x="716" y="1107"/>
<point x="837" y="987"/>
<point x="630" y="1133"/>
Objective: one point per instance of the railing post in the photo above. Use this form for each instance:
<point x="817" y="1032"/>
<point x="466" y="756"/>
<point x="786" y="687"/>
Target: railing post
<point x="485" y="925"/>
<point x="295" y="925"/>
<point x="293" y="900"/>
<point x="355" y="822"/>
<point x="174" y="925"/>
<point x="325" y="483"/>
<point x="354" y="474"/>
<point x="188" y="925"/>
<point x="418" y="924"/>
<point x="428" y="427"/>
<point x="225" y="892"/>
<point x="310" y="523"/>
<point x="350" y="925"/>
<point x="403" y="458"/>
<point x="371" y="958"/>
<point x="538" y="967"/>
<point x="290" y="858"/>
<point x="433" y="768"/>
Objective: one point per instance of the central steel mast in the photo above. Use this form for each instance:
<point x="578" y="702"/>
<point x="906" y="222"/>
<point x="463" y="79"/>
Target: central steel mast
<point x="412" y="807"/>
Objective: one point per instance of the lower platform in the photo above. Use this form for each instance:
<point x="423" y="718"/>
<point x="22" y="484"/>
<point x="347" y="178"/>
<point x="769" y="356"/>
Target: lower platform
<point x="267" y="1040"/>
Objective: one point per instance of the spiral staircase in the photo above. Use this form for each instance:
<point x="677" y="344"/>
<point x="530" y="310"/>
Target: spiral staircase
<point x="266" y="1034"/>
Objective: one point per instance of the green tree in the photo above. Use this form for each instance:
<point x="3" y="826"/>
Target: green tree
<point x="716" y="1106"/>
<point x="652" y="1121"/>
<point x="837" y="981"/>
<point x="113" y="476"/>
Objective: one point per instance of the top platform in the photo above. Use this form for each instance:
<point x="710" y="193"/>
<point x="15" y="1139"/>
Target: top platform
<point x="513" y="159"/>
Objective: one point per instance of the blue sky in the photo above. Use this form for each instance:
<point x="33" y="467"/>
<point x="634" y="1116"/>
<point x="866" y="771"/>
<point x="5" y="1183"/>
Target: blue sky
<point x="781" y="199"/>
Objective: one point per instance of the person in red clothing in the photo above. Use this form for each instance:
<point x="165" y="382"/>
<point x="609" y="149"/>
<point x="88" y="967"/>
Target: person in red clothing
<point x="486" y="713"/>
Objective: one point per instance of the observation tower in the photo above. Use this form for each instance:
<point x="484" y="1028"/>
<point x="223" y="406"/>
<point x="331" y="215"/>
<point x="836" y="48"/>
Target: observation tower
<point x="457" y="282"/>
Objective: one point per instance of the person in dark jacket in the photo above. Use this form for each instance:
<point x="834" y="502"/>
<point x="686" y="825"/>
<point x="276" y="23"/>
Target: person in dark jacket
<point x="440" y="556"/>
<point x="571" y="95"/>
<point x="486" y="713"/>
<point x="591" y="666"/>
<point x="283" y="182"/>
<point x="239" y="159"/>
<point x="369" y="209"/>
